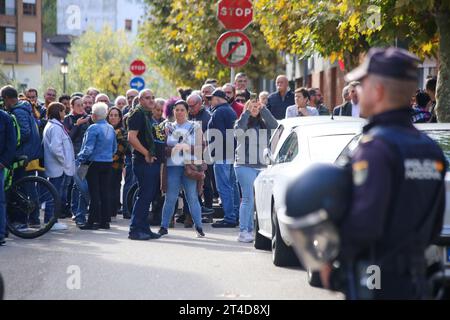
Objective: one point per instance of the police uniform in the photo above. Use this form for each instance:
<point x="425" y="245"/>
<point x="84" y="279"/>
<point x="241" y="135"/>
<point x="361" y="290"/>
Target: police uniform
<point x="398" y="196"/>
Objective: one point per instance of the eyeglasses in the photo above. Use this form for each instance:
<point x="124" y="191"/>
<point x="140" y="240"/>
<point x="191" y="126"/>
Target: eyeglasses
<point x="240" y="100"/>
<point x="150" y="98"/>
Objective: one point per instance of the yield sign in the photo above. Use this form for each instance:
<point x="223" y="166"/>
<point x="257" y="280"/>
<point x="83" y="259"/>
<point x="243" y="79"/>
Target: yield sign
<point x="234" y="49"/>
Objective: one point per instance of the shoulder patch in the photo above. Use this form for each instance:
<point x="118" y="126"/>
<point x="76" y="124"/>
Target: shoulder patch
<point x="360" y="172"/>
<point x="366" y="138"/>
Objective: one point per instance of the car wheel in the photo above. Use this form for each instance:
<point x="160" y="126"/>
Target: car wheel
<point x="282" y="255"/>
<point x="313" y="278"/>
<point x="261" y="242"/>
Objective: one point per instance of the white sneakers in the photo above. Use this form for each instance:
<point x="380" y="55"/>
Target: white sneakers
<point x="59" y="227"/>
<point x="246" y="237"/>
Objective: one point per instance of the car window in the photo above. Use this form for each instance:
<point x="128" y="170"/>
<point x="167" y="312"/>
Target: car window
<point x="276" y="139"/>
<point x="328" y="148"/>
<point x="289" y="150"/>
<point x="442" y="137"/>
<point x="345" y="155"/>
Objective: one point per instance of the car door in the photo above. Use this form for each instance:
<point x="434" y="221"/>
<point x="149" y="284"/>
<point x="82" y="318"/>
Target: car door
<point x="259" y="185"/>
<point x="286" y="154"/>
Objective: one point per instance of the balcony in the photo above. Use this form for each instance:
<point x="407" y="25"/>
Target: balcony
<point x="7" y="11"/>
<point x="7" y="47"/>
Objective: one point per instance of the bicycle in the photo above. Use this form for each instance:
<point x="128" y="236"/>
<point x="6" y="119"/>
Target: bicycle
<point x="28" y="200"/>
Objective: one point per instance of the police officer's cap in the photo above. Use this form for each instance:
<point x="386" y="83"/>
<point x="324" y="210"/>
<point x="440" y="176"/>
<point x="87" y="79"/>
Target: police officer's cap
<point x="322" y="188"/>
<point x="392" y="62"/>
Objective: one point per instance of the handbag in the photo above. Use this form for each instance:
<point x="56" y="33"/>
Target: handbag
<point x="195" y="171"/>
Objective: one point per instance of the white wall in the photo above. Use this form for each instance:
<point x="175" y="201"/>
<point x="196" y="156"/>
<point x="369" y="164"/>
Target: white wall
<point x="75" y="16"/>
<point x="129" y="10"/>
<point x="24" y="74"/>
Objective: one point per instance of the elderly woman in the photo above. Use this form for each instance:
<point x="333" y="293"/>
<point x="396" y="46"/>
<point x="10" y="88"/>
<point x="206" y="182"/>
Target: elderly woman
<point x="120" y="102"/>
<point x="253" y="132"/>
<point x="184" y="139"/>
<point x="158" y="110"/>
<point x="115" y="119"/>
<point x="59" y="155"/>
<point x="97" y="151"/>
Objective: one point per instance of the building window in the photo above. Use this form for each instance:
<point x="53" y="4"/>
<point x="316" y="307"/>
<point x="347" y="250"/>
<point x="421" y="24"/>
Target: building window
<point x="7" y="39"/>
<point x="129" y="25"/>
<point x="29" y="42"/>
<point x="8" y="7"/>
<point x="29" y="7"/>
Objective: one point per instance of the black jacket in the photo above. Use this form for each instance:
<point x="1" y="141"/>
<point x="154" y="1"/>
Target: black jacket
<point x="344" y="110"/>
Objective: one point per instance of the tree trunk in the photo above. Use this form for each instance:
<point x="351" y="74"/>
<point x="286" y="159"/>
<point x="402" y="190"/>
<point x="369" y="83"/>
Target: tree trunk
<point x="443" y="84"/>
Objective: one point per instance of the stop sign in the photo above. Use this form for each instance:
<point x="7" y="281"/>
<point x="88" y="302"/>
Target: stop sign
<point x="138" y="67"/>
<point x="235" y="14"/>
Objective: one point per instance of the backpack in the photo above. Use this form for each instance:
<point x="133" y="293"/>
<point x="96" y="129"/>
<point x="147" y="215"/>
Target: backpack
<point x="17" y="128"/>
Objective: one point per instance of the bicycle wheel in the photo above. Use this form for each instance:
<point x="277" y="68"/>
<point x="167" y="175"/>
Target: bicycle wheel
<point x="33" y="207"/>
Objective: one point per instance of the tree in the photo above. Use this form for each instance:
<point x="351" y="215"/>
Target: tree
<point x="49" y="17"/>
<point x="346" y="29"/>
<point x="181" y="36"/>
<point x="102" y="60"/>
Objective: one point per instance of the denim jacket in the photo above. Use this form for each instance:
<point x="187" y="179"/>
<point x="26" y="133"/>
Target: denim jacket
<point x="99" y="143"/>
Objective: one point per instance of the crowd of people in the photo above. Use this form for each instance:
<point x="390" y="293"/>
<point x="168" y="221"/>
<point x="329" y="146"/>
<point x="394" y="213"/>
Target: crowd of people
<point x="87" y="146"/>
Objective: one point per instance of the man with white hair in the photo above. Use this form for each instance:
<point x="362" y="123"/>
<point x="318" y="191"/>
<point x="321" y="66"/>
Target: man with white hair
<point x="120" y="102"/>
<point x="98" y="149"/>
<point x="147" y="155"/>
<point x="103" y="98"/>
<point x="207" y="90"/>
<point x="93" y="92"/>
<point x="350" y="108"/>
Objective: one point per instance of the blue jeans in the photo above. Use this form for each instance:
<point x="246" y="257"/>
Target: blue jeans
<point x="59" y="183"/>
<point x="246" y="177"/>
<point x="228" y="192"/>
<point x="80" y="199"/>
<point x="2" y="205"/>
<point x="176" y="179"/>
<point x="148" y="176"/>
<point x="130" y="180"/>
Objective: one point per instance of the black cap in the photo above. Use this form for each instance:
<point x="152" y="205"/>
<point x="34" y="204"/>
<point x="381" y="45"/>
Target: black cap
<point x="218" y="93"/>
<point x="391" y="63"/>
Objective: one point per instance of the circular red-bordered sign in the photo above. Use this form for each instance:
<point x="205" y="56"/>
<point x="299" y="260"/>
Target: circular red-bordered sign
<point x="234" y="49"/>
<point x="138" y="67"/>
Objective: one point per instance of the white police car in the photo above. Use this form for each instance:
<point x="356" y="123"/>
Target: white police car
<point x="296" y="143"/>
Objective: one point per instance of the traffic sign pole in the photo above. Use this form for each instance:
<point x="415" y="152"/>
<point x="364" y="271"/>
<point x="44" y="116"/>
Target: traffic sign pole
<point x="234" y="15"/>
<point x="233" y="75"/>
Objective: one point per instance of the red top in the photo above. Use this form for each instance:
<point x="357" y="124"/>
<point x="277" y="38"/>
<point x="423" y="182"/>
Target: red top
<point x="238" y="108"/>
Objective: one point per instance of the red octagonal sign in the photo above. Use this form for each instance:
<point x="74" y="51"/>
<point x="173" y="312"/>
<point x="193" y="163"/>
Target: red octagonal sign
<point x="138" y="67"/>
<point x="235" y="14"/>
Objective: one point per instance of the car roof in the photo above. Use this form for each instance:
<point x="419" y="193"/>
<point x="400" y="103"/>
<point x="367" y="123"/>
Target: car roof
<point x="328" y="127"/>
<point x="433" y="126"/>
<point x="307" y="121"/>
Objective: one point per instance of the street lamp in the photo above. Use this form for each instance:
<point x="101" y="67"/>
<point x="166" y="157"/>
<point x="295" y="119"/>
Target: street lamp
<point x="64" y="71"/>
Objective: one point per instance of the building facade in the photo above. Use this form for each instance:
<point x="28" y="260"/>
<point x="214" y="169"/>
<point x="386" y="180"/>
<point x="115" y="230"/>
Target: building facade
<point x="317" y="72"/>
<point x="74" y="17"/>
<point x="21" y="41"/>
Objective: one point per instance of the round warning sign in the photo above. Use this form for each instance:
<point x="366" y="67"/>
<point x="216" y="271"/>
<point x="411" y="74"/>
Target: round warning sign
<point x="234" y="49"/>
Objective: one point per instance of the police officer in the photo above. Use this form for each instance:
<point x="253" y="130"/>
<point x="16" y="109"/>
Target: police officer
<point x="398" y="197"/>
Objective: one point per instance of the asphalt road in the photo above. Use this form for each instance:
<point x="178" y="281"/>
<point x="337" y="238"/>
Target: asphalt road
<point x="106" y="265"/>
